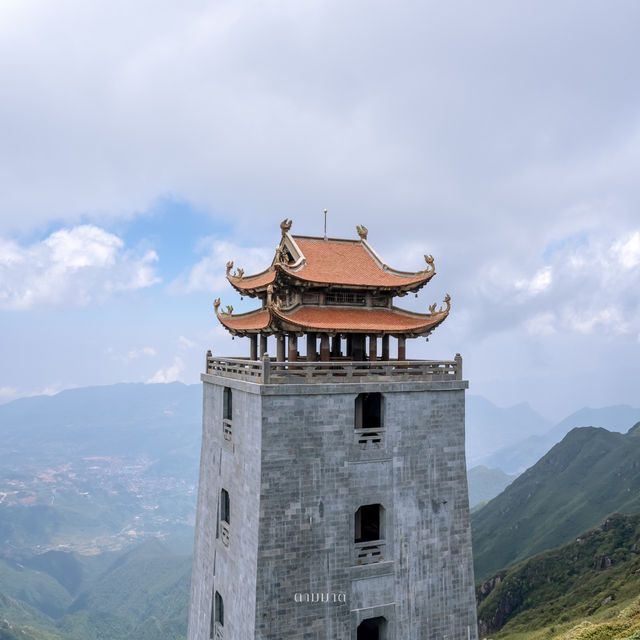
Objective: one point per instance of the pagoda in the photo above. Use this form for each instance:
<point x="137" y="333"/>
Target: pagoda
<point x="329" y="289"/>
<point x="332" y="495"/>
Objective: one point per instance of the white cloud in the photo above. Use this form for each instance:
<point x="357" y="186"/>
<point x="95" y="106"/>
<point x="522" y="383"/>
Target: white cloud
<point x="628" y="250"/>
<point x="542" y="324"/>
<point x="540" y="282"/>
<point x="586" y="287"/>
<point x="185" y="343"/>
<point x="71" y="267"/>
<point x="172" y="373"/>
<point x="209" y="273"/>
<point x="586" y="321"/>
<point x="132" y="354"/>
<point x="7" y="394"/>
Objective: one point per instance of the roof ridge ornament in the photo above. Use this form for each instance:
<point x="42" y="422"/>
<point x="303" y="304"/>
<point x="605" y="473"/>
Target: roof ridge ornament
<point x="429" y="260"/>
<point x="229" y="267"/>
<point x="216" y="306"/>
<point x="285" y="225"/>
<point x="447" y="301"/>
<point x="362" y="231"/>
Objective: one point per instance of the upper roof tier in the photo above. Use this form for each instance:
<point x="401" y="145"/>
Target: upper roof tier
<point x="315" y="262"/>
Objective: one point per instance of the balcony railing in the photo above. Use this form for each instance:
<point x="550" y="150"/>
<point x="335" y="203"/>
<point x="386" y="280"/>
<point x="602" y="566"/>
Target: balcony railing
<point x="370" y="551"/>
<point x="218" y="631"/>
<point x="227" y="430"/>
<point x="268" y="371"/>
<point x="369" y="438"/>
<point x="224" y="533"/>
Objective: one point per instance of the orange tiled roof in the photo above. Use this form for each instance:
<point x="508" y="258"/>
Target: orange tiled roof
<point x="252" y="321"/>
<point x="362" y="320"/>
<point x="347" y="263"/>
<point x="251" y="282"/>
<point x="345" y="319"/>
<point x="339" y="262"/>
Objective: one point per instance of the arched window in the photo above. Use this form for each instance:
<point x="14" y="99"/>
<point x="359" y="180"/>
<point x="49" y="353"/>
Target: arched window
<point x="372" y="629"/>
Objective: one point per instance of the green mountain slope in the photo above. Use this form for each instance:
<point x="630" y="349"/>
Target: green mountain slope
<point x="140" y="593"/>
<point x="584" y="478"/>
<point x="586" y="579"/>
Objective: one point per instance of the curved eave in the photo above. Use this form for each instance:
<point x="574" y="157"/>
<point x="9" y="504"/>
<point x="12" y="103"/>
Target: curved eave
<point x="357" y="320"/>
<point x="251" y="285"/>
<point x="246" y="323"/>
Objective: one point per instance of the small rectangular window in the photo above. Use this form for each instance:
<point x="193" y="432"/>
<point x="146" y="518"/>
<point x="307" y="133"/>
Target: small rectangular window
<point x="227" y="414"/>
<point x="224" y="520"/>
<point x="227" y="411"/>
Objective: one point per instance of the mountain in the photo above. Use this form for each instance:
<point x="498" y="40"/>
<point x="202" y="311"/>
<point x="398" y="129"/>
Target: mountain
<point x="489" y="427"/>
<point x="592" y="578"/>
<point x="591" y="473"/>
<point x="485" y="484"/>
<point x="161" y="420"/>
<point x="138" y="593"/>
<point x="98" y="468"/>
<point x="515" y="457"/>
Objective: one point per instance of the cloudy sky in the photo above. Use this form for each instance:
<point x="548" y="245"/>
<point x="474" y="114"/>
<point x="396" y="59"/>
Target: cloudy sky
<point x="145" y="144"/>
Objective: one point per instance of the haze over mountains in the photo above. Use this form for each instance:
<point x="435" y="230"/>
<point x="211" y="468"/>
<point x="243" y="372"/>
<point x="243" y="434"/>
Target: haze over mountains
<point x="515" y="438"/>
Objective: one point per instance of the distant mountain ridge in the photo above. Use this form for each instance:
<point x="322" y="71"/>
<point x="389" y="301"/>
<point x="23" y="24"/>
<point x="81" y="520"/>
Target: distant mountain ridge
<point x="485" y="484"/>
<point x="489" y="428"/>
<point x="591" y="473"/>
<point x="517" y="456"/>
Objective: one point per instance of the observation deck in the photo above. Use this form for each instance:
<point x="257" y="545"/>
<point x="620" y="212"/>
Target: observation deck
<point x="270" y="371"/>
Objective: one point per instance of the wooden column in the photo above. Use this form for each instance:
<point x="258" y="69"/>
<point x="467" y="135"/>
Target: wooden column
<point x="311" y="347"/>
<point x="385" y="347"/>
<point x="263" y="344"/>
<point x="402" y="351"/>
<point x="335" y="346"/>
<point x="373" y="348"/>
<point x="325" y="353"/>
<point x="280" y="347"/>
<point x="253" y="346"/>
<point x="293" y="347"/>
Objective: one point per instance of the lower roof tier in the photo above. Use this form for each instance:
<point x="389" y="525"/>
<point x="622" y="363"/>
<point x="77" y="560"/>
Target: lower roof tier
<point x="312" y="319"/>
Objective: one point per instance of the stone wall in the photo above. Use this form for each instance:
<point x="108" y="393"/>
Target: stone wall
<point x="298" y="469"/>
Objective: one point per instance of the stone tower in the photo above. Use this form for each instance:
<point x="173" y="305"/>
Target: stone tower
<point x="332" y="501"/>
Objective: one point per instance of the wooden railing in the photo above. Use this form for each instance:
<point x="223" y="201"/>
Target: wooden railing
<point x="219" y="631"/>
<point x="268" y="371"/>
<point x="369" y="552"/>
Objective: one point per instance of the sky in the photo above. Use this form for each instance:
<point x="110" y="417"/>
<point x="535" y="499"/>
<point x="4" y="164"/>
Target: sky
<point x="143" y="145"/>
